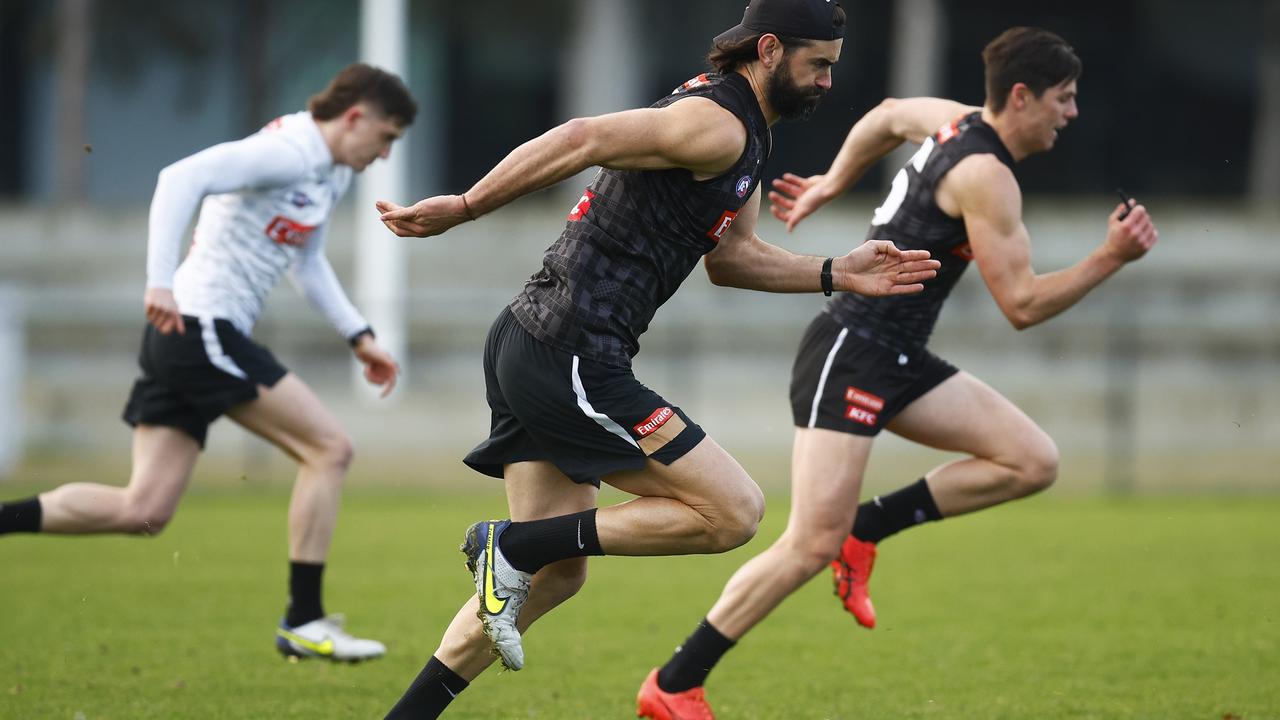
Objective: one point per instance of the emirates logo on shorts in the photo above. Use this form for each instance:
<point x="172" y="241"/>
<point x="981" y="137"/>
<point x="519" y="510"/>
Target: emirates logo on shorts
<point x="654" y="421"/>
<point x="853" y="395"/>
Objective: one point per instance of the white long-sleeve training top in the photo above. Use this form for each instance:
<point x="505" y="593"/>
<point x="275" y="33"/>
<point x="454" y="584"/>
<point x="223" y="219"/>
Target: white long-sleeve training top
<point x="266" y="205"/>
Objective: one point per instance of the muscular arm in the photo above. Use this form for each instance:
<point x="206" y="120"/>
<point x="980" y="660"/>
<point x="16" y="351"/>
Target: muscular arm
<point x="874" y="136"/>
<point x="694" y="133"/>
<point x="991" y="203"/>
<point x="743" y="260"/>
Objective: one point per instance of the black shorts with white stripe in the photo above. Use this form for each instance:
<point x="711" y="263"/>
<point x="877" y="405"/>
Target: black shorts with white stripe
<point x="190" y="380"/>
<point x="843" y="380"/>
<point x="587" y="418"/>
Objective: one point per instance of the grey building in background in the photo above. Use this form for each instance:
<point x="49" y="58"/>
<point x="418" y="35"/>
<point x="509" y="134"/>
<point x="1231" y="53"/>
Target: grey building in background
<point x="1175" y="97"/>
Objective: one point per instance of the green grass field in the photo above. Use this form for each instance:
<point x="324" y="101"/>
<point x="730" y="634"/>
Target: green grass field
<point x="1056" y="607"/>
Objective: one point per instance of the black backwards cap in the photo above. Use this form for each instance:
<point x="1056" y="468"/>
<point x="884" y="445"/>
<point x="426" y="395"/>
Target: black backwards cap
<point x="807" y="19"/>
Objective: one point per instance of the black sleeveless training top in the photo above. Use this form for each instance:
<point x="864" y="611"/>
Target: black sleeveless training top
<point x="911" y="218"/>
<point x="634" y="236"/>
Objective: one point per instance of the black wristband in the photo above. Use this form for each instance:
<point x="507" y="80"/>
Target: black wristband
<point x="827" y="287"/>
<point x="354" y="340"/>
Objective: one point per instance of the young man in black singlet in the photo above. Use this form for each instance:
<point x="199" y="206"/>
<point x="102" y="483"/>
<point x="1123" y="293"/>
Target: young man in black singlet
<point x="678" y="184"/>
<point x="863" y="364"/>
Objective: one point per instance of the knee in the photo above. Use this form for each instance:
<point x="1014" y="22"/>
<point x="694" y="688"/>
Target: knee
<point x="333" y="450"/>
<point x="1037" y="469"/>
<point x="813" y="550"/>
<point x="139" y="517"/>
<point x="738" y="521"/>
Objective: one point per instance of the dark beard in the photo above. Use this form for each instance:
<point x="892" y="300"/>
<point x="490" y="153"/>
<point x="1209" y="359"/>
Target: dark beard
<point x="789" y="101"/>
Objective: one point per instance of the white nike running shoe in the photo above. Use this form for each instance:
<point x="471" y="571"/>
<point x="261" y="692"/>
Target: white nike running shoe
<point x="502" y="590"/>
<point x="325" y="638"/>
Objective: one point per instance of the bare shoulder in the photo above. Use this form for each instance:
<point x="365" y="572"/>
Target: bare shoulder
<point x="982" y="167"/>
<point x="980" y="184"/>
<point x="707" y="136"/>
<point x="982" y="175"/>
<point x="704" y="117"/>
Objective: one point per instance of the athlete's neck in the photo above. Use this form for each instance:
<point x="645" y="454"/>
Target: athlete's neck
<point x="748" y="72"/>
<point x="330" y="131"/>
<point x="1004" y="127"/>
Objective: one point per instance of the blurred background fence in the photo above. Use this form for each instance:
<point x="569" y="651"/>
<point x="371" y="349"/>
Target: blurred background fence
<point x="1166" y="377"/>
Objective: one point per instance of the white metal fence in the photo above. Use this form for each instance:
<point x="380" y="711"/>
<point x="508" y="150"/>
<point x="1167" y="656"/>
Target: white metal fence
<point x="1166" y="376"/>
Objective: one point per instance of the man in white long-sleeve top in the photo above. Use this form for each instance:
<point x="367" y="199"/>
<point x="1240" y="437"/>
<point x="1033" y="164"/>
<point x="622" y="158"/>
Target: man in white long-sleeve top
<point x="264" y="206"/>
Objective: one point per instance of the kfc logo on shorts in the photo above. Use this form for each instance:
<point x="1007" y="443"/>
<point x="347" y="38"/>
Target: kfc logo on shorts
<point x="860" y="415"/>
<point x="579" y="211"/>
<point x="654" y="421"/>
<point x="744" y="184"/>
<point x="718" y="230"/>
<point x="964" y="252"/>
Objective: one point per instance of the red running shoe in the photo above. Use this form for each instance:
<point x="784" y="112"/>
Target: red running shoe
<point x="653" y="702"/>
<point x="851" y="571"/>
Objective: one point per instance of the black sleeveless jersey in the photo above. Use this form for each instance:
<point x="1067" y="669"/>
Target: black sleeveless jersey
<point x="634" y="236"/>
<point x="911" y="218"/>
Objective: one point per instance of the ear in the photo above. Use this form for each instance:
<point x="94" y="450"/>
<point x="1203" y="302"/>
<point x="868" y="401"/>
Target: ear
<point x="1019" y="94"/>
<point x="770" y="50"/>
<point x="352" y="114"/>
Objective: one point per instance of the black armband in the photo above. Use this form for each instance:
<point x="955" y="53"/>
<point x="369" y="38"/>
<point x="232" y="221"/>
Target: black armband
<point x="354" y="340"/>
<point x="827" y="286"/>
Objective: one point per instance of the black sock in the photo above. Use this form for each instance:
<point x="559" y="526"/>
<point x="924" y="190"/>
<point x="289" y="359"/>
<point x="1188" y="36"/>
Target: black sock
<point x="431" y="692"/>
<point x="24" y="516"/>
<point x="692" y="661"/>
<point x="304" y="593"/>
<point x="530" y="545"/>
<point x="883" y="516"/>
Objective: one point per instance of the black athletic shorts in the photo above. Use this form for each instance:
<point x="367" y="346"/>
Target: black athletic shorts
<point x="847" y="382"/>
<point x="190" y="380"/>
<point x="587" y="418"/>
